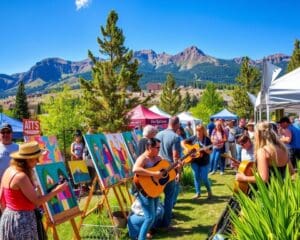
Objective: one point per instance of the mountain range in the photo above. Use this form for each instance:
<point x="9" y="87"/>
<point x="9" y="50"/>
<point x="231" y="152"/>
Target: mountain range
<point x="188" y="66"/>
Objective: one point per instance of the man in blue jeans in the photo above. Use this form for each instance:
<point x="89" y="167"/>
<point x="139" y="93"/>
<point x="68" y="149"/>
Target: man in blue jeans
<point x="169" y="150"/>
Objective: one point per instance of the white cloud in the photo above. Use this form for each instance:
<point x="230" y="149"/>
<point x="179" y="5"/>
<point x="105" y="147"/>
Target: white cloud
<point x="82" y="3"/>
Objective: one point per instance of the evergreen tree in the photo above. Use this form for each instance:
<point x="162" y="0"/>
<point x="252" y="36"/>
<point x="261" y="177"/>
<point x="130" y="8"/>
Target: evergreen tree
<point x="21" y="108"/>
<point x="170" y="98"/>
<point x="241" y="104"/>
<point x="249" y="76"/>
<point x="187" y="102"/>
<point x="210" y="103"/>
<point x="295" y="59"/>
<point x="108" y="97"/>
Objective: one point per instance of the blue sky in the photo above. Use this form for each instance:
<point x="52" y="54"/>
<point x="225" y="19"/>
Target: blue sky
<point x="32" y="30"/>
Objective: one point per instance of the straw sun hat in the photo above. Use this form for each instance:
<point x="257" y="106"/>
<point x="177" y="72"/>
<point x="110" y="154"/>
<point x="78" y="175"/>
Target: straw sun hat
<point x="28" y="150"/>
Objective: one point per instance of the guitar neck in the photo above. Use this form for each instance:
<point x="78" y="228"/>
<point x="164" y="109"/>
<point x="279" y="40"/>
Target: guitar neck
<point x="180" y="160"/>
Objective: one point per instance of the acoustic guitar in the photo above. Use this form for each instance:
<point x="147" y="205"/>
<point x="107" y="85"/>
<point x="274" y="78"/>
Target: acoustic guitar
<point x="197" y="154"/>
<point x="245" y="167"/>
<point x="152" y="186"/>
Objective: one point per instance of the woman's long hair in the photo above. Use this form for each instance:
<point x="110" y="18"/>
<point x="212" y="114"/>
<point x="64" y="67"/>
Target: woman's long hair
<point x="22" y="166"/>
<point x="266" y="136"/>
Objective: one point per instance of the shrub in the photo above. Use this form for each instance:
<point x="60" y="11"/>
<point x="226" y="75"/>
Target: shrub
<point x="187" y="178"/>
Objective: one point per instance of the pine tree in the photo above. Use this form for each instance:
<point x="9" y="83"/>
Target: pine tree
<point x="241" y="104"/>
<point x="187" y="102"/>
<point x="210" y="103"/>
<point x="249" y="76"/>
<point x="21" y="109"/>
<point x="170" y="98"/>
<point x="295" y="59"/>
<point x="108" y="97"/>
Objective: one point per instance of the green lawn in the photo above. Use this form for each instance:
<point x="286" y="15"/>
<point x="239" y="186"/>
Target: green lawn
<point x="193" y="219"/>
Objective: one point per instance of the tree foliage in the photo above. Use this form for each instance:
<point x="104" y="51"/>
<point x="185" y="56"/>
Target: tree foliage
<point x="21" y="108"/>
<point x="210" y="103"/>
<point x="187" y="102"/>
<point x="241" y="104"/>
<point x="295" y="59"/>
<point x="249" y="77"/>
<point x="170" y="98"/>
<point x="63" y="116"/>
<point x="108" y="97"/>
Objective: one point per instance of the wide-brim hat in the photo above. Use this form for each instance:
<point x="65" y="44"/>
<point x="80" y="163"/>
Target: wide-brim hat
<point x="27" y="150"/>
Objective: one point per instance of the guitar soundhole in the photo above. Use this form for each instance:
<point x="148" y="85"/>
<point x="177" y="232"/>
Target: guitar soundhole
<point x="164" y="179"/>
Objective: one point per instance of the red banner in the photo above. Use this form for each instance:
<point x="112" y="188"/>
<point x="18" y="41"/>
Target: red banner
<point x="31" y="127"/>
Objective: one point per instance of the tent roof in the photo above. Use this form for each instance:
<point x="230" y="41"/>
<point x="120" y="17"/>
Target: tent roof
<point x="141" y="115"/>
<point x="17" y="125"/>
<point x="224" y="114"/>
<point x="186" y="116"/>
<point x="157" y="110"/>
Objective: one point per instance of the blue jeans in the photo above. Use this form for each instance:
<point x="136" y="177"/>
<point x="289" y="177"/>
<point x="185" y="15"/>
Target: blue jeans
<point x="176" y="192"/>
<point x="215" y="159"/>
<point x="168" y="203"/>
<point x="200" y="174"/>
<point x="238" y="152"/>
<point x="149" y="206"/>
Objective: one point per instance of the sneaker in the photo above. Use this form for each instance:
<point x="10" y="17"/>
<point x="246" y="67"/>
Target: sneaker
<point x="212" y="173"/>
<point x="196" y="196"/>
<point x="209" y="195"/>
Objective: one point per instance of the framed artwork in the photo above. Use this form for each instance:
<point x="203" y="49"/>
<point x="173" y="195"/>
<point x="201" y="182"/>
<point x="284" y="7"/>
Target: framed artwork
<point x="103" y="160"/>
<point x="121" y="154"/>
<point x="79" y="171"/>
<point x="137" y="134"/>
<point x="64" y="205"/>
<point x="50" y="146"/>
<point x="131" y="144"/>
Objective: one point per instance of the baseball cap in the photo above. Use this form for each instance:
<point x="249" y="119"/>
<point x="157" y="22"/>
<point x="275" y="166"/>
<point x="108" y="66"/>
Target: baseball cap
<point x="5" y="126"/>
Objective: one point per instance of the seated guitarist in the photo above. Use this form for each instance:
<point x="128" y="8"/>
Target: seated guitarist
<point x="149" y="205"/>
<point x="200" y="164"/>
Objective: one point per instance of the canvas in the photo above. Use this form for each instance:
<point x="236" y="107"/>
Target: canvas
<point x="64" y="205"/>
<point x="121" y="155"/>
<point x="79" y="171"/>
<point x="51" y="153"/>
<point x="103" y="160"/>
<point x="131" y="144"/>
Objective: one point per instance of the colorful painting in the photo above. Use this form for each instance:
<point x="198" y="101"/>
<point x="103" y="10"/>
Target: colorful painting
<point x="64" y="205"/>
<point x="103" y="160"/>
<point x="50" y="146"/>
<point x="137" y="134"/>
<point x="79" y="171"/>
<point x="131" y="144"/>
<point x="121" y="154"/>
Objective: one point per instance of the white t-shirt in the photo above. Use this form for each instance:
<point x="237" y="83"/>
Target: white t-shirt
<point x="248" y="154"/>
<point x="5" y="151"/>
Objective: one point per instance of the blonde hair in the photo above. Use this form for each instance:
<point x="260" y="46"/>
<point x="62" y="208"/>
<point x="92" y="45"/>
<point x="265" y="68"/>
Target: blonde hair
<point x="202" y="128"/>
<point x="22" y="166"/>
<point x="266" y="136"/>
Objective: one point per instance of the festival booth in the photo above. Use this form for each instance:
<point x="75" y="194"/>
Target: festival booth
<point x="186" y="117"/>
<point x="224" y="114"/>
<point x="142" y="116"/>
<point x="157" y="110"/>
<point x="17" y="125"/>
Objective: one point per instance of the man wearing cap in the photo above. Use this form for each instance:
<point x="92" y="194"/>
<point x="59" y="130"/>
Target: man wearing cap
<point x="6" y="146"/>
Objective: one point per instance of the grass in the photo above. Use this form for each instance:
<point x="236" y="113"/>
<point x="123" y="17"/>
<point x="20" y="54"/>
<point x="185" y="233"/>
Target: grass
<point x="193" y="219"/>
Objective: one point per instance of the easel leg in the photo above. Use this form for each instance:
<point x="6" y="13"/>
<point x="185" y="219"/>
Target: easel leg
<point x="75" y="229"/>
<point x="119" y="201"/>
<point x="54" y="233"/>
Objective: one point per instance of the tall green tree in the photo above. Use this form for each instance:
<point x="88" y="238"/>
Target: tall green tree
<point x="210" y="103"/>
<point x="249" y="77"/>
<point x="63" y="114"/>
<point x="21" y="108"/>
<point x="241" y="104"/>
<point x="295" y="59"/>
<point x="108" y="97"/>
<point x="187" y="101"/>
<point x="170" y="98"/>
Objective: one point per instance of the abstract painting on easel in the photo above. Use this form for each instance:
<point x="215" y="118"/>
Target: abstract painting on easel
<point x="64" y="205"/>
<point x="103" y="160"/>
<point x="131" y="144"/>
<point x="79" y="171"/>
<point x="50" y="146"/>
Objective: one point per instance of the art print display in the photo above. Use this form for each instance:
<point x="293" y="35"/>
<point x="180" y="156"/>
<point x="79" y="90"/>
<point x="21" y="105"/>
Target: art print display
<point x="103" y="159"/>
<point x="79" y="171"/>
<point x="137" y="134"/>
<point x="121" y="154"/>
<point x="51" y="152"/>
<point x="131" y="144"/>
<point x="64" y="205"/>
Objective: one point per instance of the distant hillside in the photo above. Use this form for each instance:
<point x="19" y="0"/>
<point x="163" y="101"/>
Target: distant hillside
<point x="187" y="66"/>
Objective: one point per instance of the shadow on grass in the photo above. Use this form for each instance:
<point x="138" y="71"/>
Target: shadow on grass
<point x="214" y="199"/>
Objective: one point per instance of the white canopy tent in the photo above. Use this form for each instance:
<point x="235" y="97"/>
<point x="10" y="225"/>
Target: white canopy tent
<point x="157" y="110"/>
<point x="186" y="117"/>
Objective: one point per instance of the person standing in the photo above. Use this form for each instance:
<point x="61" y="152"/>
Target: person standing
<point x="170" y="149"/>
<point x="18" y="195"/>
<point x="149" y="205"/>
<point x="149" y="131"/>
<point x="77" y="147"/>
<point x="200" y="165"/>
<point x="240" y="130"/>
<point x="210" y="127"/>
<point x="7" y="146"/>
<point x="188" y="129"/>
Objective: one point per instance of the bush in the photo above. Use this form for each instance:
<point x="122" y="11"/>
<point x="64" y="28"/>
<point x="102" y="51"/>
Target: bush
<point x="187" y="178"/>
<point x="272" y="213"/>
